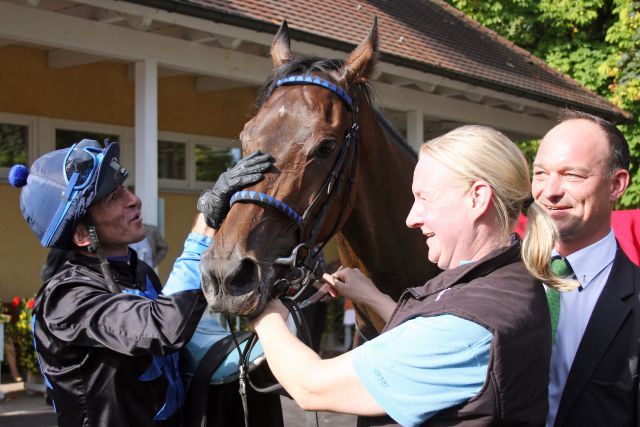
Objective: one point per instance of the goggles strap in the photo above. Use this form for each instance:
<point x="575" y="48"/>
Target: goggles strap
<point x="94" y="248"/>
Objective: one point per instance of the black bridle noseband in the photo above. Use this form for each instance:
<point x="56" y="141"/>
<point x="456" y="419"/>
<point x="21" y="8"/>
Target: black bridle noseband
<point x="304" y="261"/>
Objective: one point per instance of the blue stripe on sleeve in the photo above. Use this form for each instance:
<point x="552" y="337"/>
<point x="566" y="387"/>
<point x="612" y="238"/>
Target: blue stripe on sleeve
<point x="185" y="275"/>
<point x="424" y="365"/>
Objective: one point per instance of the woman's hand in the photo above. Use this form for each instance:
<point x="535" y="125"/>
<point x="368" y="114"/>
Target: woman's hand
<point x="351" y="283"/>
<point x="273" y="307"/>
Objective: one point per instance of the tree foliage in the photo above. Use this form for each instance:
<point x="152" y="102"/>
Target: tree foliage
<point x="597" y="42"/>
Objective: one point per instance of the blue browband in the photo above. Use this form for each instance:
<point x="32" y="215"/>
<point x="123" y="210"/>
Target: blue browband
<point x="266" y="200"/>
<point x="311" y="80"/>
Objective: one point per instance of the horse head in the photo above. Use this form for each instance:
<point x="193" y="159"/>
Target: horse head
<point x="307" y="119"/>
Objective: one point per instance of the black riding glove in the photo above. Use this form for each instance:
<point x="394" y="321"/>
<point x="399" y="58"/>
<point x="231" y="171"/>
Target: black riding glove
<point x="214" y="203"/>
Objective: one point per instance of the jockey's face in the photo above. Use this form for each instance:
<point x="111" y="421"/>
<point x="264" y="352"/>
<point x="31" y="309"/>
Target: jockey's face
<point x="118" y="221"/>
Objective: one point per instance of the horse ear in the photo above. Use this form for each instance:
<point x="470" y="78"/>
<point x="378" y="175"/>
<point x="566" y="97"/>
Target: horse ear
<point x="281" y="46"/>
<point x="360" y="64"/>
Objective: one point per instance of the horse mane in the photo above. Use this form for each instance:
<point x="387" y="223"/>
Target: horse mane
<point x="306" y="65"/>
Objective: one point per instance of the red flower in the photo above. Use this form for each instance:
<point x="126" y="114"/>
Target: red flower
<point x="30" y="303"/>
<point x="16" y="302"/>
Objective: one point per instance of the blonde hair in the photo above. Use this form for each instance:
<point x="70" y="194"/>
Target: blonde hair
<point x="475" y="153"/>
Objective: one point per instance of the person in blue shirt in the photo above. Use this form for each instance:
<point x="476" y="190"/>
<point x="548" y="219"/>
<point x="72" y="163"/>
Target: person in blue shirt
<point x="471" y="345"/>
<point x="105" y="330"/>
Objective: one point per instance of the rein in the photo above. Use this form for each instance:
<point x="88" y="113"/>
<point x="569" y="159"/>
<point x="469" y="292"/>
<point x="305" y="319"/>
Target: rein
<point x="305" y="266"/>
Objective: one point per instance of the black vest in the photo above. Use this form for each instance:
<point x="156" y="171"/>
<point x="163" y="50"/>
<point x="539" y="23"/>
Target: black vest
<point x="498" y="293"/>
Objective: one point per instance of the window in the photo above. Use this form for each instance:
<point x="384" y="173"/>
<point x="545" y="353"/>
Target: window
<point x="172" y="160"/>
<point x="193" y="162"/>
<point x="66" y="138"/>
<point x="211" y="161"/>
<point x="14" y="144"/>
<point x="56" y="134"/>
<point x="17" y="142"/>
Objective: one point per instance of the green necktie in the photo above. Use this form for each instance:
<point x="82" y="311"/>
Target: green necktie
<point x="561" y="268"/>
<point x="553" y="299"/>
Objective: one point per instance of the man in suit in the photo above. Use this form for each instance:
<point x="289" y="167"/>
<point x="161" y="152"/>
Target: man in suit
<point x="580" y="171"/>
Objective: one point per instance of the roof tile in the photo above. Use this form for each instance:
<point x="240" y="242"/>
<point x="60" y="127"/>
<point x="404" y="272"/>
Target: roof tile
<point x="429" y="35"/>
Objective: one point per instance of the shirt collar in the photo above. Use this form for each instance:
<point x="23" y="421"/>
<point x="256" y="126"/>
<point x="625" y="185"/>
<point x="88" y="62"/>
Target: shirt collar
<point x="589" y="261"/>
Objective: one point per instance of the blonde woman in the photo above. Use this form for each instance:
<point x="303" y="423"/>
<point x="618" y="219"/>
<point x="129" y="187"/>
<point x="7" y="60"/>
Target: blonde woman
<point x="471" y="345"/>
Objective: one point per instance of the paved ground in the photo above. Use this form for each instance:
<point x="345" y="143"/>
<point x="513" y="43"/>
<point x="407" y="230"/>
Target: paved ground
<point x="21" y="409"/>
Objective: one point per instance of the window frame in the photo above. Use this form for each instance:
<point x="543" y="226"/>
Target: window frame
<point x="30" y="122"/>
<point x="125" y="134"/>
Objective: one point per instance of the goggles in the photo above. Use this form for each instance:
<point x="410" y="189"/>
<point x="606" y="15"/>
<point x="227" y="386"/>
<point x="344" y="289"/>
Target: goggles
<point x="88" y="178"/>
<point x="80" y="166"/>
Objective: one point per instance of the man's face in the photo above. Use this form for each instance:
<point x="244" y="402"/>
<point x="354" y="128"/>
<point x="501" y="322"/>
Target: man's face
<point x="118" y="220"/>
<point x="571" y="181"/>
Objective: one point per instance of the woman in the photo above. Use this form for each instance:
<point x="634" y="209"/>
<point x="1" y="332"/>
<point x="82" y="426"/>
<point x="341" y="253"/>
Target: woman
<point x="473" y="344"/>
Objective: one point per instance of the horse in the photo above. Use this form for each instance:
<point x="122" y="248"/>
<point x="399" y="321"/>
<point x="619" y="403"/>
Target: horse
<point x="339" y="169"/>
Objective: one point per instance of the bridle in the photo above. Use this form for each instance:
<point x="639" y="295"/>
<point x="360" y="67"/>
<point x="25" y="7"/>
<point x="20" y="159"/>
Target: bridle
<point x="304" y="262"/>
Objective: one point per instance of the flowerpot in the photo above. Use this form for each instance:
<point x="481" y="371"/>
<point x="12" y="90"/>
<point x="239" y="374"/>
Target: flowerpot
<point x="35" y="384"/>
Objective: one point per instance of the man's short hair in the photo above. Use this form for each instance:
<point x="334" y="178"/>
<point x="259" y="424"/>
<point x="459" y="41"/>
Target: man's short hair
<point x="619" y="155"/>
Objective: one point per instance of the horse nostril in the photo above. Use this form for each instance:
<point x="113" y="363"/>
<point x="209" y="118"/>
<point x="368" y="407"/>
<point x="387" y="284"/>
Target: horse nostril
<point x="244" y="278"/>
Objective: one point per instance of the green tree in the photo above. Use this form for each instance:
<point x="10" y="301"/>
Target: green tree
<point x="597" y="42"/>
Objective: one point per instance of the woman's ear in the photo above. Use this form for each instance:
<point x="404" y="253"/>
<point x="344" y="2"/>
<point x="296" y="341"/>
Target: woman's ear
<point x="81" y="236"/>
<point x="480" y="195"/>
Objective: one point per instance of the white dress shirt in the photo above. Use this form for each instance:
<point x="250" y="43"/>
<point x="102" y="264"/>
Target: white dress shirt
<point x="591" y="266"/>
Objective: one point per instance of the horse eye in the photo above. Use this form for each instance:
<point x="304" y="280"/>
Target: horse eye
<point x="326" y="147"/>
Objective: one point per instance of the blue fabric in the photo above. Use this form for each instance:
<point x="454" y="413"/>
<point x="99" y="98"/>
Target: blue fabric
<point x="185" y="275"/>
<point x="35" y="348"/>
<point x="163" y="365"/>
<point x="207" y="334"/>
<point x="424" y="365"/>
<point x="120" y="258"/>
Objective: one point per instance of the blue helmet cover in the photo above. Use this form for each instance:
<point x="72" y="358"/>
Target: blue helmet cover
<point x="54" y="198"/>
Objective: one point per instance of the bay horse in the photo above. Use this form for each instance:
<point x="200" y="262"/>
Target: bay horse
<point x="338" y="168"/>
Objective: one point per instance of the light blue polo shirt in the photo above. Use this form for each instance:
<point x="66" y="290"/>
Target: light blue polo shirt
<point x="424" y="365"/>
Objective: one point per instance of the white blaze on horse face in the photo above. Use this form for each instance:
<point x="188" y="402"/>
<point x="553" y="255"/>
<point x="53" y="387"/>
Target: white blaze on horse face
<point x="282" y="111"/>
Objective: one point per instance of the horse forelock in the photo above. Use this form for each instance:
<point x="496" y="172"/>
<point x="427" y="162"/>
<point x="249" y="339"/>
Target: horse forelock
<point x="307" y="65"/>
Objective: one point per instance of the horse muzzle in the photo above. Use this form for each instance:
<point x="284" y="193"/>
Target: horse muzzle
<point x="238" y="287"/>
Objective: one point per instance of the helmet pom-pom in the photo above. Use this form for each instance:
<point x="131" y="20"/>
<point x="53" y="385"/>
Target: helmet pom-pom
<point x="18" y="176"/>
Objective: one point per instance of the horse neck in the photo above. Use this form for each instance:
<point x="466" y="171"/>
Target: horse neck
<point x="375" y="237"/>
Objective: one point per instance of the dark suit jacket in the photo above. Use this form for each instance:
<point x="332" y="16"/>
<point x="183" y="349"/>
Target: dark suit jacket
<point x="602" y="386"/>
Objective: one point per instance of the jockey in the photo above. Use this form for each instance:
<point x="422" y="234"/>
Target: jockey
<point x="105" y="330"/>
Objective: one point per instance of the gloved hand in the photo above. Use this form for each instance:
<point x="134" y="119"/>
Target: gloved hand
<point x="214" y="203"/>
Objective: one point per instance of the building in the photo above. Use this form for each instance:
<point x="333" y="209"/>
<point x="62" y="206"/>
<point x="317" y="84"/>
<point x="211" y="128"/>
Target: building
<point x="174" y="82"/>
